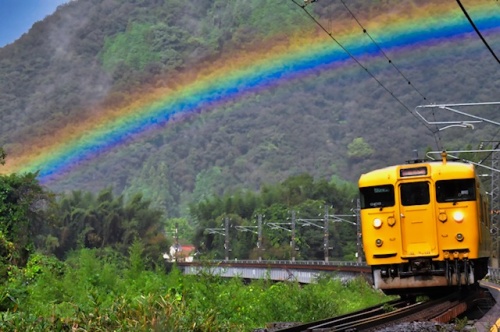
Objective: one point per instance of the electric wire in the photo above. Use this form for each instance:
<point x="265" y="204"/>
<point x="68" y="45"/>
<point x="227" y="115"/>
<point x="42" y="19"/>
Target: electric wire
<point x="365" y="31"/>
<point x="437" y="137"/>
<point x="492" y="53"/>
<point x="381" y="50"/>
<point x="303" y="7"/>
<point x="477" y="30"/>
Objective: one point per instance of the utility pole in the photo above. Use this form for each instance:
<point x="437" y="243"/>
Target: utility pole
<point x="224" y="232"/>
<point x="259" y="237"/>
<point x="289" y="227"/>
<point x="258" y="232"/>
<point x="226" y="238"/>
<point x="325" y="234"/>
<point x="327" y="218"/>
<point x="495" y="206"/>
<point x="176" y="237"/>
<point x="293" y="236"/>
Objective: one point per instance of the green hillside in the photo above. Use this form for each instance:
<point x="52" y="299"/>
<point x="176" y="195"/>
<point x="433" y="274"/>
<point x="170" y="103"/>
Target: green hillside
<point x="333" y="124"/>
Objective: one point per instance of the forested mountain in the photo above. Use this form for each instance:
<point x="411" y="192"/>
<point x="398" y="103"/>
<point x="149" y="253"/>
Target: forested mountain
<point x="106" y="93"/>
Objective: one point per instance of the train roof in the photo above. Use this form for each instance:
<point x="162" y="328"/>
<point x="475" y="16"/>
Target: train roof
<point x="438" y="170"/>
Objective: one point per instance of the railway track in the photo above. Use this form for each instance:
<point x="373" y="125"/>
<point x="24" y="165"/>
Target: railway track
<point x="440" y="310"/>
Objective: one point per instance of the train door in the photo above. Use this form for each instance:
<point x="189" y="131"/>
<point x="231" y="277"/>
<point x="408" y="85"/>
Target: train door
<point x="418" y="228"/>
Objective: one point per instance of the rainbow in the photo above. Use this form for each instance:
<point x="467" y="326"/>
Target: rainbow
<point x="239" y="75"/>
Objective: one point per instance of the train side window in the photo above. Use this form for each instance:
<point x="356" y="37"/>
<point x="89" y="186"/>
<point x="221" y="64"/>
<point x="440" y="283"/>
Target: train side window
<point x="415" y="193"/>
<point x="377" y="196"/>
<point x="455" y="190"/>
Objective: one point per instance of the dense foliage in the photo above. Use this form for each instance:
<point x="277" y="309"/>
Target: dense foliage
<point x="23" y="217"/>
<point x="2" y="156"/>
<point x="299" y="200"/>
<point x="85" y="220"/>
<point x="33" y="219"/>
<point x="335" y="123"/>
<point x="110" y="274"/>
<point x="96" y="290"/>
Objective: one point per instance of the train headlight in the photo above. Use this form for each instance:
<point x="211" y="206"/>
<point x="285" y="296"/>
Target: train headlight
<point x="377" y="222"/>
<point x="460" y="237"/>
<point x="379" y="242"/>
<point x="458" y="216"/>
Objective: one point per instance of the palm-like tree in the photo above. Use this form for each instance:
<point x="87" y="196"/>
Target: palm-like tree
<point x="88" y="221"/>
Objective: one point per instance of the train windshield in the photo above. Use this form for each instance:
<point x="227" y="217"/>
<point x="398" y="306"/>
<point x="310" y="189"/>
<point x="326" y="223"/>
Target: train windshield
<point x="377" y="196"/>
<point x="455" y="190"/>
<point x="415" y="193"/>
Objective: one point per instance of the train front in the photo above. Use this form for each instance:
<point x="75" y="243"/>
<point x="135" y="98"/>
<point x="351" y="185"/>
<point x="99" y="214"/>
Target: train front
<point x="424" y="225"/>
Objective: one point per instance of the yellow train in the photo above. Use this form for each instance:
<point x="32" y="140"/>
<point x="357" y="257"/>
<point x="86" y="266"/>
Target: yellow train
<point x="425" y="225"/>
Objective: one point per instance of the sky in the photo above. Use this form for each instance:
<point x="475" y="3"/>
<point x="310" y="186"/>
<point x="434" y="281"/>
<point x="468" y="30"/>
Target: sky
<point x="17" y="16"/>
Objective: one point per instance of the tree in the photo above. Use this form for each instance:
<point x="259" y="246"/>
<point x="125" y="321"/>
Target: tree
<point x="88" y="221"/>
<point x="359" y="149"/>
<point x="300" y="193"/>
<point x="23" y="206"/>
<point x="2" y="156"/>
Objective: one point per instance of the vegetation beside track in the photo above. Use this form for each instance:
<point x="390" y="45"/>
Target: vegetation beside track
<point x="96" y="290"/>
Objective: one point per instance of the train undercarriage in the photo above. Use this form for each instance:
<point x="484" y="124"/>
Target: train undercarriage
<point x="425" y="276"/>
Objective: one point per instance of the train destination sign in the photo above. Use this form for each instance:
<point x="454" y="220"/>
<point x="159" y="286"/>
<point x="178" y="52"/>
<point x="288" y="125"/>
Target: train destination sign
<point x="415" y="171"/>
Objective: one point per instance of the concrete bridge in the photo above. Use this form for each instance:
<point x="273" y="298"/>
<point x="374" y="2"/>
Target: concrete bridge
<point x="300" y="271"/>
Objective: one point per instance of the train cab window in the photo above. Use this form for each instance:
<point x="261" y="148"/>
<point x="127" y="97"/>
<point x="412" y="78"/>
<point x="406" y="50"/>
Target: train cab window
<point x="414" y="193"/>
<point x="377" y="196"/>
<point x="455" y="190"/>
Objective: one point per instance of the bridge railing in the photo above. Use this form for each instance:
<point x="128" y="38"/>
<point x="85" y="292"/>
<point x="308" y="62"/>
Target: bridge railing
<point x="279" y="270"/>
<point x="278" y="262"/>
<point x="330" y="263"/>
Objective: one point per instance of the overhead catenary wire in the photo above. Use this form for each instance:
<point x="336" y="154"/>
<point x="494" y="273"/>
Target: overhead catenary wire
<point x="492" y="53"/>
<point x="330" y="34"/>
<point x="477" y="30"/>
<point x="398" y="70"/>
<point x="437" y="132"/>
<point x="365" y="31"/>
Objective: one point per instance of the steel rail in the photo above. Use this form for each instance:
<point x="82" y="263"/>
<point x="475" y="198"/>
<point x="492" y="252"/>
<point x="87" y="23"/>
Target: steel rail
<point x="440" y="310"/>
<point x="367" y="312"/>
